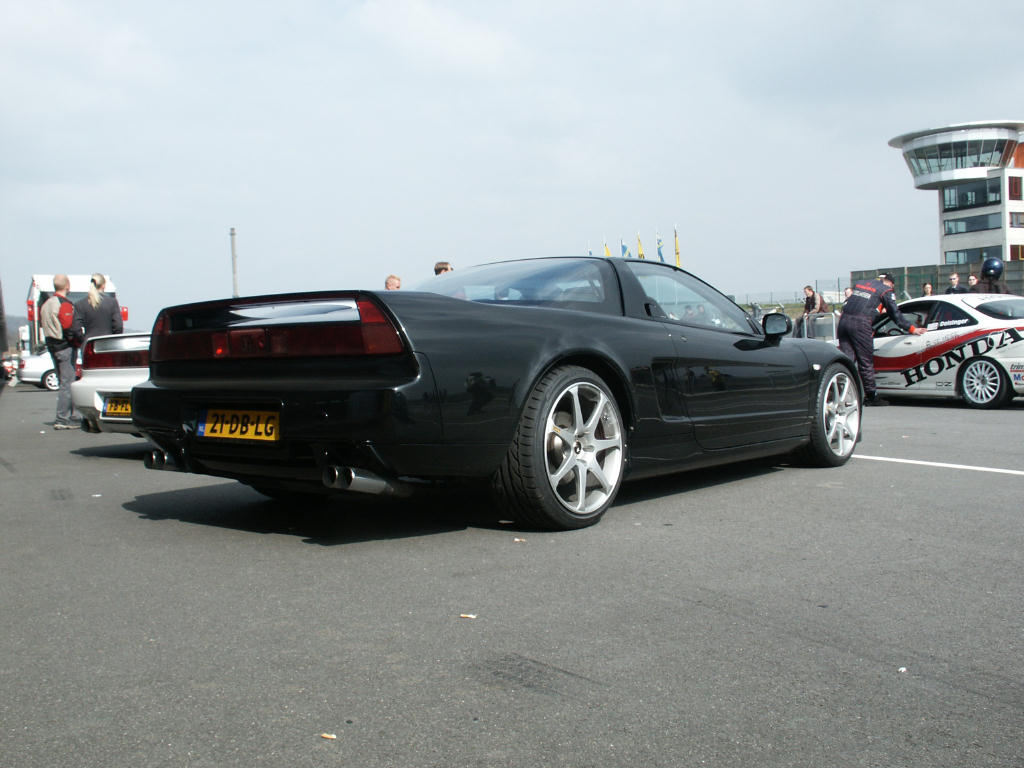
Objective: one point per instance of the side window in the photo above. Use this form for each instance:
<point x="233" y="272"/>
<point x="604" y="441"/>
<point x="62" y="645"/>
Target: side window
<point x="675" y="295"/>
<point x="916" y="313"/>
<point x="945" y="316"/>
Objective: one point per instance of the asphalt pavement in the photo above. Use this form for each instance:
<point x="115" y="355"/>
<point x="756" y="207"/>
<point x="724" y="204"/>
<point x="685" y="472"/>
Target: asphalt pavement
<point x="758" y="615"/>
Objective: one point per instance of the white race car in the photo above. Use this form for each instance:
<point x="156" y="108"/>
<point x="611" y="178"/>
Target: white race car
<point x="974" y="349"/>
<point x="111" y="366"/>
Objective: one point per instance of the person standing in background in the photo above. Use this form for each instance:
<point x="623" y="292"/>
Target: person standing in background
<point x="392" y="283"/>
<point x="954" y="284"/>
<point x="98" y="314"/>
<point x="56" y="319"/>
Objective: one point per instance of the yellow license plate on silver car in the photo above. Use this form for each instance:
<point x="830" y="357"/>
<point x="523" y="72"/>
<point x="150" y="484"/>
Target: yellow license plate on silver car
<point x="117" y="406"/>
<point x="227" y="424"/>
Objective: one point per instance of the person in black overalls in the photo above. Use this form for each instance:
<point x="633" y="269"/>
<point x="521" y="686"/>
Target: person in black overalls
<point x="854" y="332"/>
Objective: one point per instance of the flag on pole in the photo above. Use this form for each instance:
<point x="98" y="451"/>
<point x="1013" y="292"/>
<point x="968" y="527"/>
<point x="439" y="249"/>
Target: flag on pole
<point x="625" y="251"/>
<point x="639" y="247"/>
<point x="675" y="231"/>
<point x="590" y="251"/>
<point x="660" y="254"/>
<point x="607" y="253"/>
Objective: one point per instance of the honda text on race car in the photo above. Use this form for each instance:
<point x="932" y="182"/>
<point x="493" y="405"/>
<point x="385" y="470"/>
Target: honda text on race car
<point x="974" y="349"/>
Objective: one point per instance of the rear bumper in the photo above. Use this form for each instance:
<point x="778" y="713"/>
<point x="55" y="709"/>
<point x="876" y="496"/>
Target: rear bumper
<point x="90" y="393"/>
<point x="393" y="431"/>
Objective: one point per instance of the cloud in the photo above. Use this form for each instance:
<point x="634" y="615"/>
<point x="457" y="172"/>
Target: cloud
<point x="434" y="35"/>
<point x="56" y="58"/>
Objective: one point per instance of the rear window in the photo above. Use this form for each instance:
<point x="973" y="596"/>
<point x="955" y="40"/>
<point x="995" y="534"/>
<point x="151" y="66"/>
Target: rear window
<point x="1004" y="309"/>
<point x="585" y="284"/>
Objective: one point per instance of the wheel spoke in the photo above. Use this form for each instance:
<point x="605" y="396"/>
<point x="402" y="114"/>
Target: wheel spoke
<point x="844" y="393"/>
<point x="577" y="410"/>
<point x="598" y="472"/>
<point x="558" y="475"/>
<point x="590" y="427"/>
<point x="605" y="444"/>
<point x="581" y="486"/>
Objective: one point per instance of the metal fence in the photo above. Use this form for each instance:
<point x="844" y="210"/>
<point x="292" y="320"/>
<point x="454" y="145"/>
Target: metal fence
<point x="909" y="280"/>
<point x="831" y="287"/>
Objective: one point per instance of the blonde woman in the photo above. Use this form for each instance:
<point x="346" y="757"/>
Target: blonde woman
<point x="98" y="314"/>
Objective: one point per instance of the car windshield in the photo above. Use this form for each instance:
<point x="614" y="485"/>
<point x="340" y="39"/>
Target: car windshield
<point x="1011" y="308"/>
<point x="584" y="284"/>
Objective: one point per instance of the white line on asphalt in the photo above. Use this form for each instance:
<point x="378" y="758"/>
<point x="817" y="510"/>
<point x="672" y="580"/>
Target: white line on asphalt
<point x="941" y="464"/>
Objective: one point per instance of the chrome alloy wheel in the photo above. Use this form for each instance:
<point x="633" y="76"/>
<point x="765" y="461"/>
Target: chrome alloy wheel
<point x="841" y="414"/>
<point x="583" y="447"/>
<point x="982" y="381"/>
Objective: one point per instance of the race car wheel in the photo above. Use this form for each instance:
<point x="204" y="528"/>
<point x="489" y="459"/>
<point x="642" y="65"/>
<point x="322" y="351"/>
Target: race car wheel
<point x="983" y="384"/>
<point x="835" y="426"/>
<point x="566" y="460"/>
<point x="50" y="381"/>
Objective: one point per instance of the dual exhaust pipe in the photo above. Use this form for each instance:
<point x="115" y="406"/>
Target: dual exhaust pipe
<point x="362" y="481"/>
<point x="157" y="459"/>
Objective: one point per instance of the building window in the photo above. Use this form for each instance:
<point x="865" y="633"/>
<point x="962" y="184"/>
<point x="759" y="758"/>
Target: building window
<point x="952" y="155"/>
<point x="1016" y="219"/>
<point x="972" y="224"/>
<point x="971" y="194"/>
<point x="1014" y="187"/>
<point x="968" y="255"/>
<point x="1017" y="253"/>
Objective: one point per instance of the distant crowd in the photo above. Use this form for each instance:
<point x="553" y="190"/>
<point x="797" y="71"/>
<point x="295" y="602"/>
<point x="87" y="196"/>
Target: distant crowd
<point x="989" y="282"/>
<point x="394" y="282"/>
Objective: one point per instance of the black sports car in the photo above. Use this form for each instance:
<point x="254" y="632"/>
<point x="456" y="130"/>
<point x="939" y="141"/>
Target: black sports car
<point x="552" y="379"/>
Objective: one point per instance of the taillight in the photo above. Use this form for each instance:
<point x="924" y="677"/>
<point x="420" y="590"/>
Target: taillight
<point x="31" y="307"/>
<point x="373" y="334"/>
<point x="379" y="336"/>
<point x="129" y="358"/>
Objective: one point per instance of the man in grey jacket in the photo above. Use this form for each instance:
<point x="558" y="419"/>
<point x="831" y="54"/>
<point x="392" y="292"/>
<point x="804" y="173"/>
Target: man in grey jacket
<point x="60" y="344"/>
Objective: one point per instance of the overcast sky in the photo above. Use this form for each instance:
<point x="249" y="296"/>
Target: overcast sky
<point x="348" y="140"/>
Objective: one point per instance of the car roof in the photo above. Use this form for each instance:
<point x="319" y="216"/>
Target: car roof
<point x="971" y="300"/>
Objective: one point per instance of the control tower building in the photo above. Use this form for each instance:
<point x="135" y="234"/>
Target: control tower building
<point x="977" y="169"/>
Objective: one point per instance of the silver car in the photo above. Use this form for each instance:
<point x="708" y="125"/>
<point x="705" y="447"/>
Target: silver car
<point x="111" y="366"/>
<point x="38" y="369"/>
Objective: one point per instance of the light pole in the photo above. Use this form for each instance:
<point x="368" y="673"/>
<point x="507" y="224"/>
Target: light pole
<point x="234" y="266"/>
<point x="3" y="321"/>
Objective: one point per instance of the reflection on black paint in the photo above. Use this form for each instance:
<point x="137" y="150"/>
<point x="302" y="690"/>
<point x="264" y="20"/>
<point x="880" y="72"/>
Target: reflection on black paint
<point x="481" y="391"/>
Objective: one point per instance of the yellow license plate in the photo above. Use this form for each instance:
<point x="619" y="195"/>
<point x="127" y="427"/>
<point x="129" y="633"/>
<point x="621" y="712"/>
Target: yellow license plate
<point x="239" y="425"/>
<point x="117" y="406"/>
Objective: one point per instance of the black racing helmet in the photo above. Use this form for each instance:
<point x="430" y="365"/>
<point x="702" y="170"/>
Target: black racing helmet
<point x="992" y="268"/>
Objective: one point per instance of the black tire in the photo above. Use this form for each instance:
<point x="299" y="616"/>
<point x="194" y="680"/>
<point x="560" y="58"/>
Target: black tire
<point x="50" y="381"/>
<point x="835" y="423"/>
<point x="983" y="383"/>
<point x="567" y="457"/>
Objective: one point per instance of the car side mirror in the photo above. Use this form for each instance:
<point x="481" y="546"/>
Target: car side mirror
<point x="776" y="324"/>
